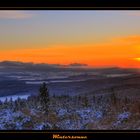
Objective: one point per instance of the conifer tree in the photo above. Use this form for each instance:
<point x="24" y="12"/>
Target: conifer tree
<point x="44" y="97"/>
<point x="11" y="103"/>
<point x="85" y="101"/>
<point x="113" y="97"/>
<point x="6" y="103"/>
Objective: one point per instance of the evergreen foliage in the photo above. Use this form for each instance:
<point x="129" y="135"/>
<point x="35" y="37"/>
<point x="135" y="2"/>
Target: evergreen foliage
<point x="44" y="97"/>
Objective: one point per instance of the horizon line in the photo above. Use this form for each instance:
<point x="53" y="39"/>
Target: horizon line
<point x="70" y="65"/>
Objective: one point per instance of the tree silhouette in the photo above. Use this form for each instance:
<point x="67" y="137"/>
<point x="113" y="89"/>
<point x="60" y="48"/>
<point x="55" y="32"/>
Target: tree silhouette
<point x="44" y="97"/>
<point x="113" y="96"/>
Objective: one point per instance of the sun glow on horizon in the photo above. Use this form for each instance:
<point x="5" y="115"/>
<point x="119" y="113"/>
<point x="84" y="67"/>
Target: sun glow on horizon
<point x="138" y="59"/>
<point x="112" y="53"/>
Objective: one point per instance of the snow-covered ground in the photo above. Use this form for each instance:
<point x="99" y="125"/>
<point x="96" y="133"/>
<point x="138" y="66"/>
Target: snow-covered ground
<point x="54" y="81"/>
<point x="36" y="82"/>
<point x="14" y="97"/>
<point x="118" y="75"/>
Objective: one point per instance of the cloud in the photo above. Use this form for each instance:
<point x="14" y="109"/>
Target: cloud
<point x="77" y="65"/>
<point x="11" y="14"/>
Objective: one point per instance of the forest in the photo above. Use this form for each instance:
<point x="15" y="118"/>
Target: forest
<point x="65" y="112"/>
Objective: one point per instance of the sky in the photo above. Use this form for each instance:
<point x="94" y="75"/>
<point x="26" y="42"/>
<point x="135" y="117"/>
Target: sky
<point x="98" y="38"/>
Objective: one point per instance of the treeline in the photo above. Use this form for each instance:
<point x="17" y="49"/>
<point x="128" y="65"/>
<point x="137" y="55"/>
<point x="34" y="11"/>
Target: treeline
<point x="60" y="112"/>
<point x="44" y="102"/>
<point x="40" y="101"/>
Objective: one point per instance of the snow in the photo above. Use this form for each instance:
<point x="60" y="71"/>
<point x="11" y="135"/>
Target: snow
<point x="84" y="113"/>
<point x="5" y="115"/>
<point x="53" y="81"/>
<point x="123" y="116"/>
<point x="13" y="120"/>
<point x="65" y="81"/>
<point x="89" y="112"/>
<point x="17" y="114"/>
<point x="117" y="75"/>
<point x="15" y="76"/>
<point x="33" y="112"/>
<point x="98" y="114"/>
<point x="14" y="97"/>
<point x="36" y="82"/>
<point x="30" y="79"/>
<point x="56" y="77"/>
<point x="67" y="125"/>
<point x="62" y="112"/>
<point x="26" y="120"/>
<point x="43" y="126"/>
<point x="2" y="127"/>
<point x="6" y="119"/>
<point x="20" y="119"/>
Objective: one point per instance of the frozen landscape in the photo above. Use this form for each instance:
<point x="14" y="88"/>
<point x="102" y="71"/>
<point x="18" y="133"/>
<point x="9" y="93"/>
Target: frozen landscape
<point x="80" y="97"/>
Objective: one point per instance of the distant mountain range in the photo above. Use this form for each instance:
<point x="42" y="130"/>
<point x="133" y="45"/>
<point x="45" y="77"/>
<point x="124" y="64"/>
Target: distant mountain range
<point x="18" y="63"/>
<point x="13" y="65"/>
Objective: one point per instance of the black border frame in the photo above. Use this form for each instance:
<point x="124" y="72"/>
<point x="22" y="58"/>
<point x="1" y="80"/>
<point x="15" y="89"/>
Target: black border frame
<point x="70" y="5"/>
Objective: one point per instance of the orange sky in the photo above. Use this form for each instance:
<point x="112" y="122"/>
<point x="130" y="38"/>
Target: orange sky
<point x="102" y="38"/>
<point x="121" y="52"/>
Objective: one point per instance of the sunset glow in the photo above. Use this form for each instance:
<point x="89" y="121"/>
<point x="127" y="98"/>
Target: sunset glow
<point x="138" y="59"/>
<point x="47" y="37"/>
